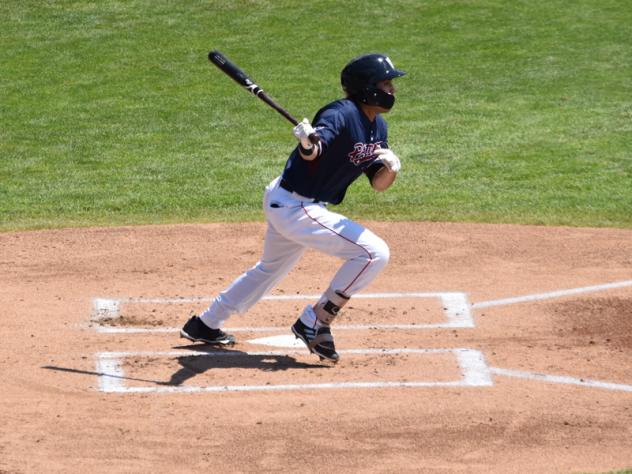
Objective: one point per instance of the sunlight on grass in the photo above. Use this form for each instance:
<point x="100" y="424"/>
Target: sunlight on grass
<point x="516" y="112"/>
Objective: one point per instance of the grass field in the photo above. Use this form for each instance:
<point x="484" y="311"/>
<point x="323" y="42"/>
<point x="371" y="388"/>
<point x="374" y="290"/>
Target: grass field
<point x="512" y="111"/>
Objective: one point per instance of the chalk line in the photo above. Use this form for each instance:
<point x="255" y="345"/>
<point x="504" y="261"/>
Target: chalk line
<point x="456" y="310"/>
<point x="561" y="379"/>
<point x="471" y="362"/>
<point x="552" y="294"/>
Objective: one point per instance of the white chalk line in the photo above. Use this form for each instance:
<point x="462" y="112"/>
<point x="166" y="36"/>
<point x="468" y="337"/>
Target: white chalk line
<point x="456" y="306"/>
<point x="552" y="294"/>
<point x="271" y="329"/>
<point x="566" y="380"/>
<point x="474" y="371"/>
<point x="269" y="388"/>
<point x="561" y="379"/>
<point x="239" y="353"/>
<point x="110" y="370"/>
<point x="114" y="303"/>
<point x="456" y="310"/>
<point x="112" y="306"/>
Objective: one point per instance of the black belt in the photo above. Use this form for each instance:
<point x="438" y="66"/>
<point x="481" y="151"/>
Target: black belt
<point x="285" y="185"/>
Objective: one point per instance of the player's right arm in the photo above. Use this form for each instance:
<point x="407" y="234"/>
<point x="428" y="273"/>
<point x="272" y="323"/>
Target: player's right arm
<point x="308" y="150"/>
<point x="329" y="124"/>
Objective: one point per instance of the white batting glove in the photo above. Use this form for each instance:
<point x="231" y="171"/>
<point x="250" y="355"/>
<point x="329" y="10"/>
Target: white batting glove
<point x="302" y="132"/>
<point x="389" y="159"/>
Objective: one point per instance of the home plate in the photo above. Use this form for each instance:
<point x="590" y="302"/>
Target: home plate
<point x="285" y="340"/>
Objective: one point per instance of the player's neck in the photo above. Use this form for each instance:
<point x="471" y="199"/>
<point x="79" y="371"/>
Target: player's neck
<point x="370" y="111"/>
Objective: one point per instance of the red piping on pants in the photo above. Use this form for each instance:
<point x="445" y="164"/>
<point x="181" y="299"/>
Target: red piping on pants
<point x="348" y="240"/>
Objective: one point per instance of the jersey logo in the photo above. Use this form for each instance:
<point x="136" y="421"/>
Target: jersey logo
<point x="362" y="152"/>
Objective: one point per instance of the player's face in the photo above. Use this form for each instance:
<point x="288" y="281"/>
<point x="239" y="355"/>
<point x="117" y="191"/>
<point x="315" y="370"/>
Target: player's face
<point x="372" y="110"/>
<point x="387" y="86"/>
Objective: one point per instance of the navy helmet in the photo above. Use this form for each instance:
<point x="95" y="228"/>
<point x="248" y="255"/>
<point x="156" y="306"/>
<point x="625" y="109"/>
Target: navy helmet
<point x="359" y="79"/>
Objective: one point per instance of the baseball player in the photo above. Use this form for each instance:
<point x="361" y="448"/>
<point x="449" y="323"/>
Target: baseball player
<point x="353" y="140"/>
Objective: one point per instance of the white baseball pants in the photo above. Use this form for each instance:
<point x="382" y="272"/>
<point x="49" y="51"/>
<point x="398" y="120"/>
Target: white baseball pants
<point x="295" y="223"/>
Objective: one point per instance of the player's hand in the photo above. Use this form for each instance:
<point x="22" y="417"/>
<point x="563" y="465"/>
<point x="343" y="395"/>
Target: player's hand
<point x="388" y="159"/>
<point x="302" y="132"/>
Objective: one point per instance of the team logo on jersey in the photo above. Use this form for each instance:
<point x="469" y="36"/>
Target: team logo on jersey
<point x="362" y="152"/>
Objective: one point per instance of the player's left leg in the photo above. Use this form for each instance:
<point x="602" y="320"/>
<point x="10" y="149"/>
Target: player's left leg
<point x="364" y="254"/>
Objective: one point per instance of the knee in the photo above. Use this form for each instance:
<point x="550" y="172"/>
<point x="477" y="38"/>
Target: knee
<point x="268" y="268"/>
<point x="380" y="253"/>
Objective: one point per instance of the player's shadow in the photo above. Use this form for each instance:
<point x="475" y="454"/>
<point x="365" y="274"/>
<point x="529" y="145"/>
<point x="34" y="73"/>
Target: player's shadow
<point x="218" y="358"/>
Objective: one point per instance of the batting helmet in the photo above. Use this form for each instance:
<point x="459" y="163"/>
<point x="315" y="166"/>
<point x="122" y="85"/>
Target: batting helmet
<point x="359" y="79"/>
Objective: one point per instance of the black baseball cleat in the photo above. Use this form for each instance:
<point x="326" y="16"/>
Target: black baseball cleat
<point x="195" y="330"/>
<point x="318" y="341"/>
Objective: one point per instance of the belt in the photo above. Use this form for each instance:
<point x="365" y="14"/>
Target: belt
<point x="285" y="185"/>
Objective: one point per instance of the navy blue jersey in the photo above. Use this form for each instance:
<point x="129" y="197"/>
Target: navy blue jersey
<point x="348" y="141"/>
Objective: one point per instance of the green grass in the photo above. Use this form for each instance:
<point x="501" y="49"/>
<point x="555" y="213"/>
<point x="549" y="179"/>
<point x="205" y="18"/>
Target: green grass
<point x="512" y="111"/>
<point x="625" y="471"/>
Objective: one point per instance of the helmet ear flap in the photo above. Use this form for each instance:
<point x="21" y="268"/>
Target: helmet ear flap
<point x="375" y="96"/>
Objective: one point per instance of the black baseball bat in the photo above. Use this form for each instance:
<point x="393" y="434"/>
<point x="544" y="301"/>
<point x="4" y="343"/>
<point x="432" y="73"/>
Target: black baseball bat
<point x="241" y="78"/>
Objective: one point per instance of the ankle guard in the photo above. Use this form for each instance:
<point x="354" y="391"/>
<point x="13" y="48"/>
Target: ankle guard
<point x="329" y="305"/>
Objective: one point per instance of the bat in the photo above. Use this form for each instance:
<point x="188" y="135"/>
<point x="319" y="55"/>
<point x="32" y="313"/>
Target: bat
<point x="241" y="78"/>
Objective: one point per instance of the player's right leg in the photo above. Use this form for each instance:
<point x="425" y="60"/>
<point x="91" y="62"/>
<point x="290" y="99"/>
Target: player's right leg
<point x="279" y="257"/>
<point x="195" y="330"/>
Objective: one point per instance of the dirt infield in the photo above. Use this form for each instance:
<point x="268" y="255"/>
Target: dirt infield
<point x="480" y="348"/>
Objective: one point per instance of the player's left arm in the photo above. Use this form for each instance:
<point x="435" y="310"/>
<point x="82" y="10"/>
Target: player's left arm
<point x="383" y="179"/>
<point x="383" y="171"/>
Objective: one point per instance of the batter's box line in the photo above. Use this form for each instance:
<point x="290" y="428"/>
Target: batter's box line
<point x="474" y="372"/>
<point x="553" y="294"/>
<point x="560" y="379"/>
<point x="456" y="310"/>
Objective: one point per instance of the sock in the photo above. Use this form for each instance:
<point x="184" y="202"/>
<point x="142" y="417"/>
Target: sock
<point x="308" y="317"/>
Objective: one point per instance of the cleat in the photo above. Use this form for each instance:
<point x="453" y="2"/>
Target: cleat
<point x="195" y="330"/>
<point x="318" y="341"/>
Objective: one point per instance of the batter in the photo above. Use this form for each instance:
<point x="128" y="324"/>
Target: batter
<point x="353" y="140"/>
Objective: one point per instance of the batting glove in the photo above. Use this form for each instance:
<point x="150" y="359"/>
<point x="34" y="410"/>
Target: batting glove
<point x="302" y="132"/>
<point x="388" y="159"/>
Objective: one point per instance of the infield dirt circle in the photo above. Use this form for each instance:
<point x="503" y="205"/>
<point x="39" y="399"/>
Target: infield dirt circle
<point x="480" y="348"/>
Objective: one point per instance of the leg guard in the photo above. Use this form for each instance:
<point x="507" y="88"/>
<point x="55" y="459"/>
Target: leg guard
<point x="329" y="305"/>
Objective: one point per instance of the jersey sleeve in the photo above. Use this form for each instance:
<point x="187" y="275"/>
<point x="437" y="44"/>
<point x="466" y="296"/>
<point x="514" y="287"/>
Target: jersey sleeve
<point x="329" y="123"/>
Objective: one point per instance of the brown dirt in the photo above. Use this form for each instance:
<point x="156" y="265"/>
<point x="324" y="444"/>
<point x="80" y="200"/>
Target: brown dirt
<point x="55" y="418"/>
